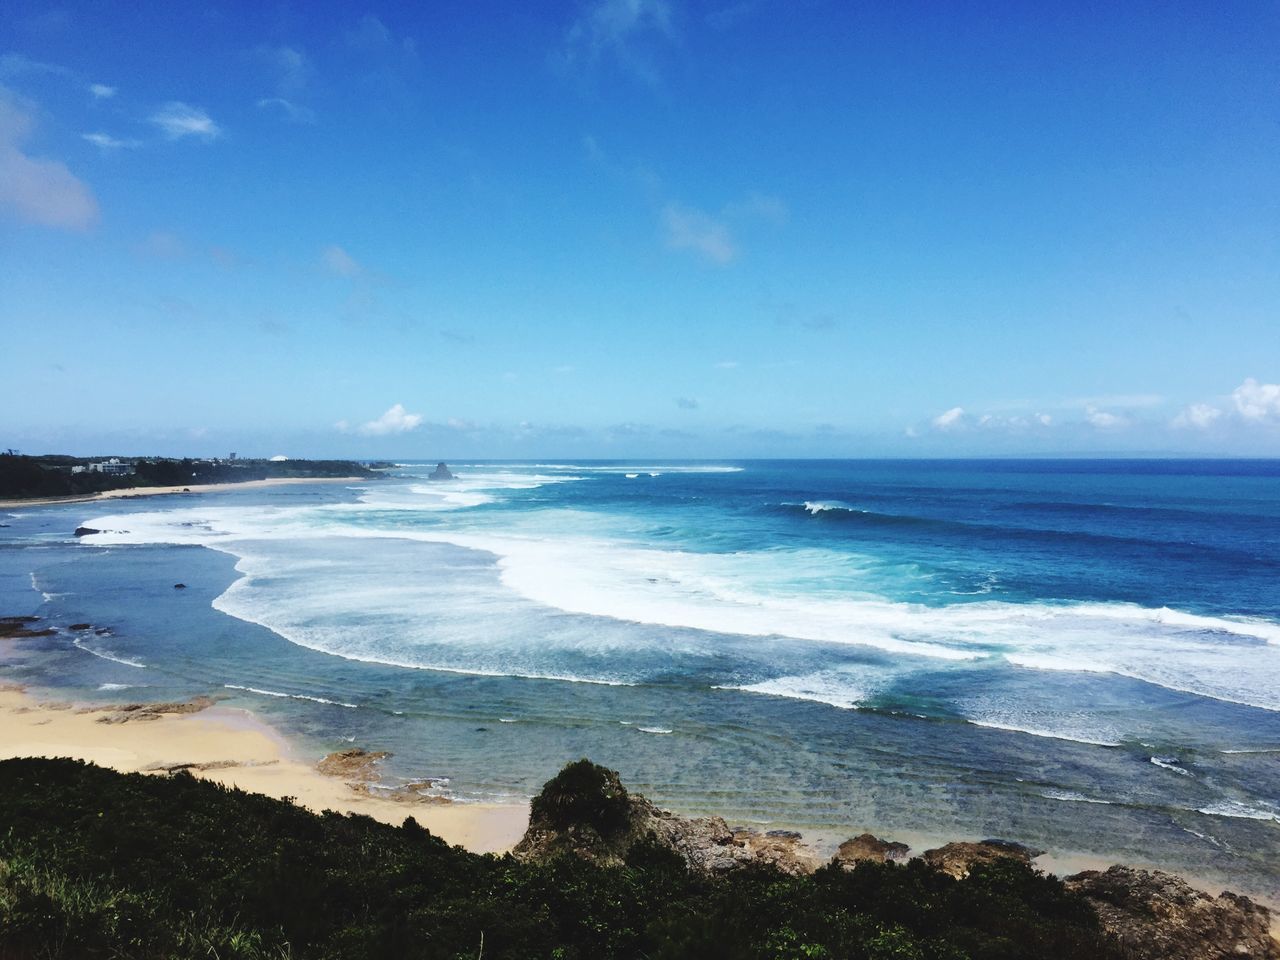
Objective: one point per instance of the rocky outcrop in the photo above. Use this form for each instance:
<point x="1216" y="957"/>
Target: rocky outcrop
<point x="86" y="531"/>
<point x="959" y="859"/>
<point x="441" y="472"/>
<point x="355" y="765"/>
<point x="586" y="811"/>
<point x="133" y="712"/>
<point x="1157" y="915"/>
<point x="21" y="628"/>
<point x="867" y="847"/>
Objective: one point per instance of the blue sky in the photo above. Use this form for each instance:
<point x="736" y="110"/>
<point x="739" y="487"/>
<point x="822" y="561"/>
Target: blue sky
<point x="640" y="228"/>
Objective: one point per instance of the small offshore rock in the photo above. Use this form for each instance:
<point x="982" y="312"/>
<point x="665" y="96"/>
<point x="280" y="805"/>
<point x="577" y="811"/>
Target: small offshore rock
<point x="441" y="472"/>
<point x="86" y="531"/>
<point x="179" y="586"/>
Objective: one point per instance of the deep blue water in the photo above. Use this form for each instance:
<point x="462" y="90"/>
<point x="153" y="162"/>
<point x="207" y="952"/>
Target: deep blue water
<point x="1081" y="654"/>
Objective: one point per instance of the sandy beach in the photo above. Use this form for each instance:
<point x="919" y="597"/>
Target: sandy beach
<point x="131" y="492"/>
<point x="232" y="747"/>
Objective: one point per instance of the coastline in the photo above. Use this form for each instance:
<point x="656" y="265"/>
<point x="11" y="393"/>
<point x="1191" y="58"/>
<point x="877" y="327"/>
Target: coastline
<point x="235" y="748"/>
<point x="125" y="493"/>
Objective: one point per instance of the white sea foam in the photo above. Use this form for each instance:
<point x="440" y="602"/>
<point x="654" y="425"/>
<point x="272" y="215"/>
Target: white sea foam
<point x="1171" y="763"/>
<point x="1072" y="797"/>
<point x="289" y="696"/>
<point x="1235" y="809"/>
<point x="1052" y="734"/>
<point x="816" y="507"/>
<point x="657" y="730"/>
<point x="107" y="654"/>
<point x="837" y="688"/>
<point x="116" y="686"/>
<point x="586" y="563"/>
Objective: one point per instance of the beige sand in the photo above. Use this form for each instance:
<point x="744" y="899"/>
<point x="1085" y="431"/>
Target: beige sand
<point x="263" y="763"/>
<point x="129" y="492"/>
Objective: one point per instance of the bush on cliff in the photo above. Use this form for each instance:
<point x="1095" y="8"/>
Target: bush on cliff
<point x="101" y="864"/>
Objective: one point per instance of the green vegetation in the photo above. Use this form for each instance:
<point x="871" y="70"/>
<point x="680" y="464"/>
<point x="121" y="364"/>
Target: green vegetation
<point x="101" y="864"/>
<point x="54" y="476"/>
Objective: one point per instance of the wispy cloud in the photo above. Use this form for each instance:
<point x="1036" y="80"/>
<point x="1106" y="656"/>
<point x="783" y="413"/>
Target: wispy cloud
<point x="1199" y="416"/>
<point x="371" y="35"/>
<point x="338" y="261"/>
<point x="100" y="91"/>
<point x="689" y="229"/>
<point x="620" y="31"/>
<point x="291" y="111"/>
<point x="15" y="64"/>
<point x="177" y="120"/>
<point x="107" y="142"/>
<point x="396" y="420"/>
<point x="1103" y="419"/>
<point x="37" y="190"/>
<point x="290" y="66"/>
<point x="687" y="403"/>
<point x="949" y="419"/>
<point x="726" y="365"/>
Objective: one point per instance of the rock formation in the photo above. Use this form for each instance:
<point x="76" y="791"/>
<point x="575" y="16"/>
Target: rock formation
<point x="1157" y="915"/>
<point x="958" y="859"/>
<point x="441" y="472"/>
<point x="585" y="810"/>
<point x="868" y="847"/>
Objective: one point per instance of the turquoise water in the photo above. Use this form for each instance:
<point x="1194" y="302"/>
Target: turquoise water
<point x="1080" y="655"/>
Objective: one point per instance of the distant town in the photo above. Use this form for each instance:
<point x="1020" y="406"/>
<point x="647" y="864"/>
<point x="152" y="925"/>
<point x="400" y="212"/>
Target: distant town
<point x="55" y="475"/>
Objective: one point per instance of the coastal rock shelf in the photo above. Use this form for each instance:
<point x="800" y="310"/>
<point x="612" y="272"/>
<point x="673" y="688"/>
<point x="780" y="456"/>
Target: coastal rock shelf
<point x="585" y="811"/>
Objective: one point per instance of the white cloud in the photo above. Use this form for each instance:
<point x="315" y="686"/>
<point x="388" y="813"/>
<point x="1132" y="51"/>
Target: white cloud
<point x="291" y="67"/>
<point x="613" y="28"/>
<point x="689" y="229"/>
<point x="291" y="111"/>
<point x="15" y="64"/>
<point x="340" y="262"/>
<point x="107" y="142"/>
<point x="687" y="403"/>
<point x="100" y="91"/>
<point x="949" y="419"/>
<point x="1103" y="420"/>
<point x="396" y="420"/>
<point x="38" y="191"/>
<point x="1199" y="416"/>
<point x="177" y="120"/>
<point x="1044" y="419"/>
<point x="1257" y="401"/>
<point x="1126" y="401"/>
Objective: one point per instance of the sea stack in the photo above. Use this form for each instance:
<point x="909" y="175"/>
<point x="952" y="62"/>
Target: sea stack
<point x="441" y="472"/>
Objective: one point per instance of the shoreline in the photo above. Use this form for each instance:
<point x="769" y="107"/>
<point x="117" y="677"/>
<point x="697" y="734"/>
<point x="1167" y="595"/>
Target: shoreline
<point x="125" y="493"/>
<point x="233" y="747"/>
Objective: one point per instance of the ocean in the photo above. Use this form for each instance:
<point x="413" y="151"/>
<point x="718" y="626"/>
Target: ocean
<point x="1080" y="655"/>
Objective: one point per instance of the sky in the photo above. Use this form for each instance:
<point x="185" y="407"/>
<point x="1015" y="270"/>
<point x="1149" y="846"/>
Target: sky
<point x="621" y="228"/>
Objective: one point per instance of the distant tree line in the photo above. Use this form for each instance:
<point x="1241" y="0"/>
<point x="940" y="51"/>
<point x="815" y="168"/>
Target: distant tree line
<point x="53" y="476"/>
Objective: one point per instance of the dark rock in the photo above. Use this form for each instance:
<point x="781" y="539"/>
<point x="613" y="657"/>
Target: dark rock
<point x="958" y="859"/>
<point x="86" y="531"/>
<point x="1157" y="915"/>
<point x="441" y="472"/>
<point x="81" y="626"/>
<point x="179" y="586"/>
<point x="586" y="811"/>
<point x="19" y="628"/>
<point x="868" y="847"/>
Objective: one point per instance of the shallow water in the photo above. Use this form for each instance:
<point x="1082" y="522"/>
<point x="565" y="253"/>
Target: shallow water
<point x="1084" y="656"/>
